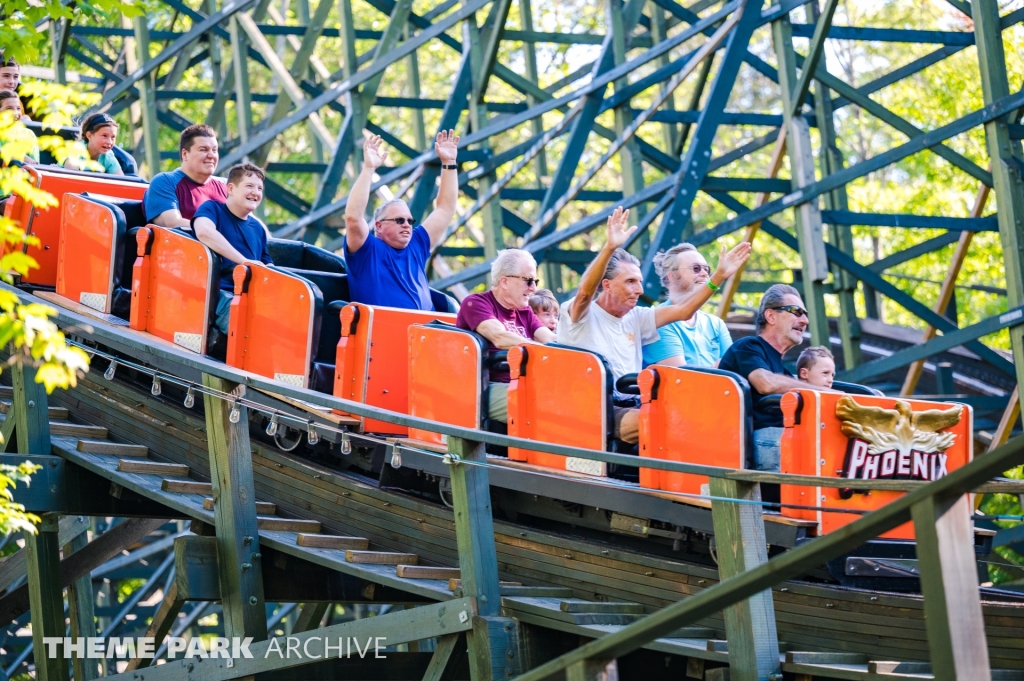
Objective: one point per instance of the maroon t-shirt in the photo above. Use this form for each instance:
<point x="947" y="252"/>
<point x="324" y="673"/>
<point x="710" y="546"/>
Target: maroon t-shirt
<point x="177" y="190"/>
<point x="479" y="307"/>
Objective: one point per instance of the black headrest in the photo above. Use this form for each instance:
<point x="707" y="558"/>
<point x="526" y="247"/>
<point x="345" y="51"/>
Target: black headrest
<point x="57" y="170"/>
<point x="126" y="161"/>
<point x="134" y="215"/>
<point x="443" y="302"/>
<point x="856" y="389"/>
<point x="302" y="256"/>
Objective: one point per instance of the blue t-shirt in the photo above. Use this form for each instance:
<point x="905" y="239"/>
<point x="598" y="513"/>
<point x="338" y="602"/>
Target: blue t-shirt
<point x="176" y="190"/>
<point x="746" y="355"/>
<point x="381" y="275"/>
<point x="702" y="344"/>
<point x="247" y="236"/>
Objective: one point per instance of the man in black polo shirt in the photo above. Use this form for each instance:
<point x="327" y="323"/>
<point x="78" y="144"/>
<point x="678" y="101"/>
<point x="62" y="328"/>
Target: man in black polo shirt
<point x="781" y="322"/>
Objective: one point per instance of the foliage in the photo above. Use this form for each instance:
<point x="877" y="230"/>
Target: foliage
<point x="28" y="329"/>
<point x="22" y="40"/>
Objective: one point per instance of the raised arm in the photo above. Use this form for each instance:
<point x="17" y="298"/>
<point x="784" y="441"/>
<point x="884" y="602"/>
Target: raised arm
<point x="728" y="263"/>
<point x="356" y="228"/>
<point x="618" y="233"/>
<point x="447" y="148"/>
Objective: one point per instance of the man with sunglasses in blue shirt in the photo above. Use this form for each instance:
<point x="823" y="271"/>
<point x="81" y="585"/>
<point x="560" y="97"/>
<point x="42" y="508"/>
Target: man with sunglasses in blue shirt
<point x="387" y="265"/>
<point x="781" y="322"/>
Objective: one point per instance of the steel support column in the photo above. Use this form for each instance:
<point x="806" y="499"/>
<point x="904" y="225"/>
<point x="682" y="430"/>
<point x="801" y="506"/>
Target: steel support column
<point x="147" y="100"/>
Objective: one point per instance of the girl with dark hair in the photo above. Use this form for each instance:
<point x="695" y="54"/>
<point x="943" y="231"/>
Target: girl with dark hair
<point x="99" y="132"/>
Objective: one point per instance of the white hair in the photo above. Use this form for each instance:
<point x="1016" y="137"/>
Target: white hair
<point x="384" y="206"/>
<point x="666" y="261"/>
<point x="508" y="263"/>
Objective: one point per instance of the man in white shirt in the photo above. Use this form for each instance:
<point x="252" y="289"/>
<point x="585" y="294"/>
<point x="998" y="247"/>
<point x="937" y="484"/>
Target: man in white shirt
<point x="612" y="325"/>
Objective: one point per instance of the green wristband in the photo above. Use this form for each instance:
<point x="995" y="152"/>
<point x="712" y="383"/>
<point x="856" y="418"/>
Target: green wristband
<point x="711" y="285"/>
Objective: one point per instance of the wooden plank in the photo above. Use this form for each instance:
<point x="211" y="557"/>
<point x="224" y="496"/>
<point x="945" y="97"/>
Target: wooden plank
<point x="425" y="572"/>
<point x="112" y="448"/>
<point x="692" y="632"/>
<point x="381" y="558"/>
<point x="310" y="617"/>
<point x="949" y="584"/>
<point x="1006" y="423"/>
<point x="266" y="507"/>
<point x="749" y="624"/>
<point x="81" y="613"/>
<point x="892" y="667"/>
<point x="165" y="616"/>
<point x="58" y="413"/>
<point x="324" y="413"/>
<point x="266" y="522"/>
<point x="238" y="542"/>
<point x="45" y="594"/>
<point x="578" y="605"/>
<point x="330" y="541"/>
<point x="814" y="657"/>
<point x="455" y="583"/>
<point x="186" y="487"/>
<point x="78" y="430"/>
<point x="151" y="467"/>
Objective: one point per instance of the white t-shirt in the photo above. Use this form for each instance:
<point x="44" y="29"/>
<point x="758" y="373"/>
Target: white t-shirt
<point x="618" y="339"/>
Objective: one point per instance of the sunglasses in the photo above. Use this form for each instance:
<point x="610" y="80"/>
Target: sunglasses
<point x="399" y="221"/>
<point x="530" y="281"/>
<point x="697" y="269"/>
<point x="794" y="310"/>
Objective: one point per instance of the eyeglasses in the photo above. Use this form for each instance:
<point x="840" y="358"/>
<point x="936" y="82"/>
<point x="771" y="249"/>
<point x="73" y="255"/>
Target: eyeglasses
<point x="399" y="221"/>
<point x="530" y="281"/>
<point x="794" y="310"/>
<point x="697" y="269"/>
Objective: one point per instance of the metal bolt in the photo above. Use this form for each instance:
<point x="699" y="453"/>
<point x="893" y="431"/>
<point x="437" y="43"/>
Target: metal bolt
<point x="31" y="404"/>
<point x="255" y="556"/>
<point x="191" y="666"/>
<point x="247" y="540"/>
<point x="253" y="600"/>
<point x="245" y="566"/>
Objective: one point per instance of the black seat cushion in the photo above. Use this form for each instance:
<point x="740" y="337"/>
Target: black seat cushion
<point x="443" y="302"/>
<point x="126" y="161"/>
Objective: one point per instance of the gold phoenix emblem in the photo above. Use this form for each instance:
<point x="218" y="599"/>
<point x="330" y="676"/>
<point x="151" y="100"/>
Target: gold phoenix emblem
<point x="899" y="429"/>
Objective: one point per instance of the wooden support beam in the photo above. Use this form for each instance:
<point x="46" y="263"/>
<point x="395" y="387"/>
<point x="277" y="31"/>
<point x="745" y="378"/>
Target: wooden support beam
<point x="740" y="538"/>
<point x="328" y="541"/>
<point x="81" y="612"/>
<point x="492" y="642"/>
<point x="31" y="414"/>
<point x="12" y="568"/>
<point x="164" y="618"/>
<point x="949" y="585"/>
<point x="310" y="617"/>
<point x="442" y="654"/>
<point x="45" y="595"/>
<point x="1007" y="421"/>
<point x="97" y="552"/>
<point x="238" y="542"/>
<point x="147" y="98"/>
<point x="948" y="289"/>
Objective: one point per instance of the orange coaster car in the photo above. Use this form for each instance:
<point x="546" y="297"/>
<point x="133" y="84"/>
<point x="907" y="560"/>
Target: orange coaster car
<point x="45" y="224"/>
<point x="867" y="437"/>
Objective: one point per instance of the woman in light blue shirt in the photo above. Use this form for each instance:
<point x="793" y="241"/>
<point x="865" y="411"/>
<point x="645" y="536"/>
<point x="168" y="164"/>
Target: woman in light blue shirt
<point x="700" y="340"/>
<point x="99" y="132"/>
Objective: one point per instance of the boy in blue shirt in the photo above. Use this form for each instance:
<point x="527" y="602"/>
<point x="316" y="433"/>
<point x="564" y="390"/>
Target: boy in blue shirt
<point x="230" y="231"/>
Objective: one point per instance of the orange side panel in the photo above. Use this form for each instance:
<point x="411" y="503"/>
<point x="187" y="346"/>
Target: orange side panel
<point x="381" y="334"/>
<point x="351" y="362"/>
<point x="827" y="456"/>
<point x="173" y="302"/>
<point x="800" y="452"/>
<point x="560" y="397"/>
<point x="444" y="379"/>
<point x="46" y="224"/>
<point x="676" y="427"/>
<point x="85" y="263"/>
<point x="272" y="332"/>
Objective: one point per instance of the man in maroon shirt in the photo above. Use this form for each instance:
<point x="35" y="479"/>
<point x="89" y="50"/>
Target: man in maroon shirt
<point x="173" y="198"/>
<point x="503" y="316"/>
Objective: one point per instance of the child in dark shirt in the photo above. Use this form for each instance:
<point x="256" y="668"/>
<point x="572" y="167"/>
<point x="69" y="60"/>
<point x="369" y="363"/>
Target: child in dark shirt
<point x="230" y="230"/>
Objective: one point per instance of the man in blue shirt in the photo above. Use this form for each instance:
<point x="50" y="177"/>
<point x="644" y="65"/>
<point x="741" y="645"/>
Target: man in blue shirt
<point x="387" y="265"/>
<point x="700" y="340"/>
<point x="230" y="231"/>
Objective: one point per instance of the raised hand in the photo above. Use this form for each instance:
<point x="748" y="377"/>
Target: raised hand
<point x="447" y="147"/>
<point x="373" y="157"/>
<point x="618" y="229"/>
<point x="729" y="262"/>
